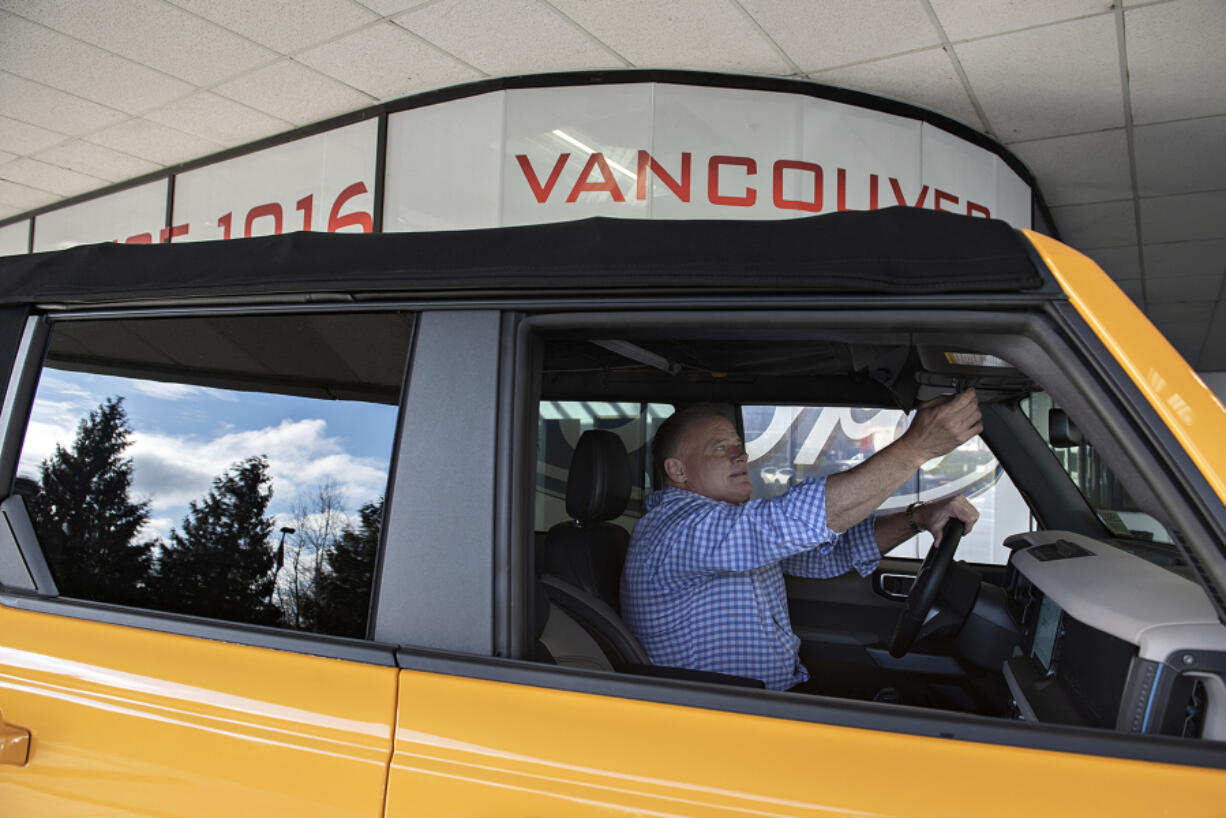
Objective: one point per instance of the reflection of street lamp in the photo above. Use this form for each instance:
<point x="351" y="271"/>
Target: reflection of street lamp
<point x="280" y="559"/>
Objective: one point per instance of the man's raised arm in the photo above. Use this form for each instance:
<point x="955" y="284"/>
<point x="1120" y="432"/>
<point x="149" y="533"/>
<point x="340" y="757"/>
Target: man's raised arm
<point x="939" y="427"/>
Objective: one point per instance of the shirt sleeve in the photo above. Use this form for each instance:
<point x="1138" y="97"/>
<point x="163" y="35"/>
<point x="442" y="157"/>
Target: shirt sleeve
<point x="854" y="548"/>
<point x="722" y="537"/>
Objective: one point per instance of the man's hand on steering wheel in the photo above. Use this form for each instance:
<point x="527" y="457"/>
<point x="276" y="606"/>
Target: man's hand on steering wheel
<point x="933" y="516"/>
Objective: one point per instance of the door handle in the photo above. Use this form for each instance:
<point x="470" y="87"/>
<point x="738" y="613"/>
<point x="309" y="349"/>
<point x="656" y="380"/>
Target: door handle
<point x="896" y="586"/>
<point x="14" y="745"/>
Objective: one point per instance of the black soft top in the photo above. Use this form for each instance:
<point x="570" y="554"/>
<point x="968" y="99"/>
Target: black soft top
<point x="898" y="250"/>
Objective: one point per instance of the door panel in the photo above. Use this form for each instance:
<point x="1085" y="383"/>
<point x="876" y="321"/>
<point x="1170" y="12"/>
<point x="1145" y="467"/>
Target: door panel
<point x="468" y="747"/>
<point x="126" y="721"/>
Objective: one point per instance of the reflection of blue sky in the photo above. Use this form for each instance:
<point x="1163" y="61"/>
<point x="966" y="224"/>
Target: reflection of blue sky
<point x="184" y="436"/>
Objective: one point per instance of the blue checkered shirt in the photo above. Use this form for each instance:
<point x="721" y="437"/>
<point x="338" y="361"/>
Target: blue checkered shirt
<point x="703" y="583"/>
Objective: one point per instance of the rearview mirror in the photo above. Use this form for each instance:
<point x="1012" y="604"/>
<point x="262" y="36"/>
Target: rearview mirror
<point x="1061" y="432"/>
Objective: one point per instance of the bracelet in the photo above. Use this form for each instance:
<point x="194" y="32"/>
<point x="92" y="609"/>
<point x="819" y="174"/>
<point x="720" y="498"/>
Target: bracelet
<point x="911" y="516"/>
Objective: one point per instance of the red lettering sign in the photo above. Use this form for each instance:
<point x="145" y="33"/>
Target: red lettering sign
<point x="813" y="205"/>
<point x="541" y="192"/>
<point x="713" y="194"/>
<point x="646" y="163"/>
<point x="609" y="185"/>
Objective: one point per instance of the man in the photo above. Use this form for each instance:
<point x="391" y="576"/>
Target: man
<point x="703" y="583"/>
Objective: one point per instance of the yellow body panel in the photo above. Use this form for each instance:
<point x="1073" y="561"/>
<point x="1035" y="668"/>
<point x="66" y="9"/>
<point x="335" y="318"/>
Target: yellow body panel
<point x="468" y="747"/>
<point x="132" y="722"/>
<point x="1187" y="406"/>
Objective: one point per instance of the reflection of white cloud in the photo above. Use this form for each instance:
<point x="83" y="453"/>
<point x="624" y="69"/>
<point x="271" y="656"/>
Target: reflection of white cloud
<point x="171" y="470"/>
<point x="60" y="407"/>
<point x="174" y="470"/>
<point x="178" y="391"/>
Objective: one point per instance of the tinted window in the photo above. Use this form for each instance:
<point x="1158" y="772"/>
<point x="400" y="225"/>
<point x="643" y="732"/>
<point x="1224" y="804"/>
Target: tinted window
<point x="231" y="467"/>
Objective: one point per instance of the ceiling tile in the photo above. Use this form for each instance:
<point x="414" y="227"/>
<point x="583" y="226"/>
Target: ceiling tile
<point x="964" y="19"/>
<point x="700" y="34"/>
<point x="1184" y="218"/>
<point x="834" y="33"/>
<point x="1175" y="289"/>
<point x="390" y="7"/>
<point x="1190" y="313"/>
<point x="1186" y="258"/>
<point x="95" y="160"/>
<point x="1175" y="62"/>
<point x="7" y="210"/>
<point x="32" y="173"/>
<point x="1181" y="157"/>
<point x="23" y="138"/>
<point x="5" y="156"/>
<point x="218" y="119"/>
<point x="1079" y="169"/>
<point x="491" y="37"/>
<point x="1213" y="359"/>
<point x="48" y="108"/>
<point x="154" y="142"/>
<point x="1091" y="226"/>
<point x="1121" y="263"/>
<point x="23" y="197"/>
<point x="294" y="92"/>
<point x="283" y="25"/>
<point x="1071" y="85"/>
<point x="387" y="62"/>
<point x="150" y="32"/>
<point x="38" y="53"/>
<point x="925" y="78"/>
<point x="1217" y="331"/>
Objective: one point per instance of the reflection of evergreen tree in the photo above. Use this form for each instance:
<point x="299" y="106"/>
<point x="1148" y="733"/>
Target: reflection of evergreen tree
<point x="344" y="587"/>
<point x="221" y="565"/>
<point x="85" y="521"/>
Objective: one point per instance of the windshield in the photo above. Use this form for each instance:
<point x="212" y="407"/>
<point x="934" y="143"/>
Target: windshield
<point x="1092" y="476"/>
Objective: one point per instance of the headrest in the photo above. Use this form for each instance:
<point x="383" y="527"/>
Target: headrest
<point x="598" y="486"/>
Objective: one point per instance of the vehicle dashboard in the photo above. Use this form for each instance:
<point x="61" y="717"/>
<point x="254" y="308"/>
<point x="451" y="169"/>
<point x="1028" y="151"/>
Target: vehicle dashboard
<point x="1112" y="640"/>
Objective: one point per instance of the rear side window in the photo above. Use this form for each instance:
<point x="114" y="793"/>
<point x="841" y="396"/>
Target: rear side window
<point x="230" y="467"/>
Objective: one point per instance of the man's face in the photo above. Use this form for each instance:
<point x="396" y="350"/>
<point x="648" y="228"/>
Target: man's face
<point x="711" y="461"/>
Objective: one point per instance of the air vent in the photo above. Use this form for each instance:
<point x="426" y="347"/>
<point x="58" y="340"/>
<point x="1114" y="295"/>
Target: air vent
<point x="1058" y="550"/>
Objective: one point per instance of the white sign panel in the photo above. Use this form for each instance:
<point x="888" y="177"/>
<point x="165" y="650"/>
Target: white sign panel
<point x="676" y="152"/>
<point x="135" y="216"/>
<point x="323" y="183"/>
<point x="15" y="238"/>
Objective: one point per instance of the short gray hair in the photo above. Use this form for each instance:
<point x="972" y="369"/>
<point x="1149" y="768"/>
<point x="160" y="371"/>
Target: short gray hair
<point x="672" y="431"/>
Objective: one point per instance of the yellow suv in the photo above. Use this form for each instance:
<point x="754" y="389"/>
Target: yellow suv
<point x="288" y="526"/>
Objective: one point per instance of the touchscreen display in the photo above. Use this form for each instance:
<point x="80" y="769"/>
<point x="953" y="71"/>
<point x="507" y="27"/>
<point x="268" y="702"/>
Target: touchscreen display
<point x="1045" y="631"/>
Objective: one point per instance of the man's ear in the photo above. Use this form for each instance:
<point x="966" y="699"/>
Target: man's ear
<point x="674" y="470"/>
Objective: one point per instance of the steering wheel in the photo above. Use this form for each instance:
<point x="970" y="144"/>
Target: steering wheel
<point x="926" y="590"/>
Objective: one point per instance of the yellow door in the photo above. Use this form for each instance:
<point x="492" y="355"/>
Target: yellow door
<point x="131" y="722"/>
<point x="468" y="747"/>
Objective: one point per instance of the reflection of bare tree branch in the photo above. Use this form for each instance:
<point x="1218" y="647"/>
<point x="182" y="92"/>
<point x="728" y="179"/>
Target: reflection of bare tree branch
<point x="318" y="517"/>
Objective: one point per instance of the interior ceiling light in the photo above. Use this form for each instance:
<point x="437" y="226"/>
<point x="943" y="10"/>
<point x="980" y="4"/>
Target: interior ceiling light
<point x="640" y="355"/>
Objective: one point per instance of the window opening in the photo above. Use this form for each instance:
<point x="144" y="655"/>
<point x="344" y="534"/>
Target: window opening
<point x="787" y="444"/>
<point x="1097" y="483"/>
<point x="231" y="467"/>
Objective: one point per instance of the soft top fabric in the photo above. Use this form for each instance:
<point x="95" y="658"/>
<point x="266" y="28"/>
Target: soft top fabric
<point x="897" y="250"/>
